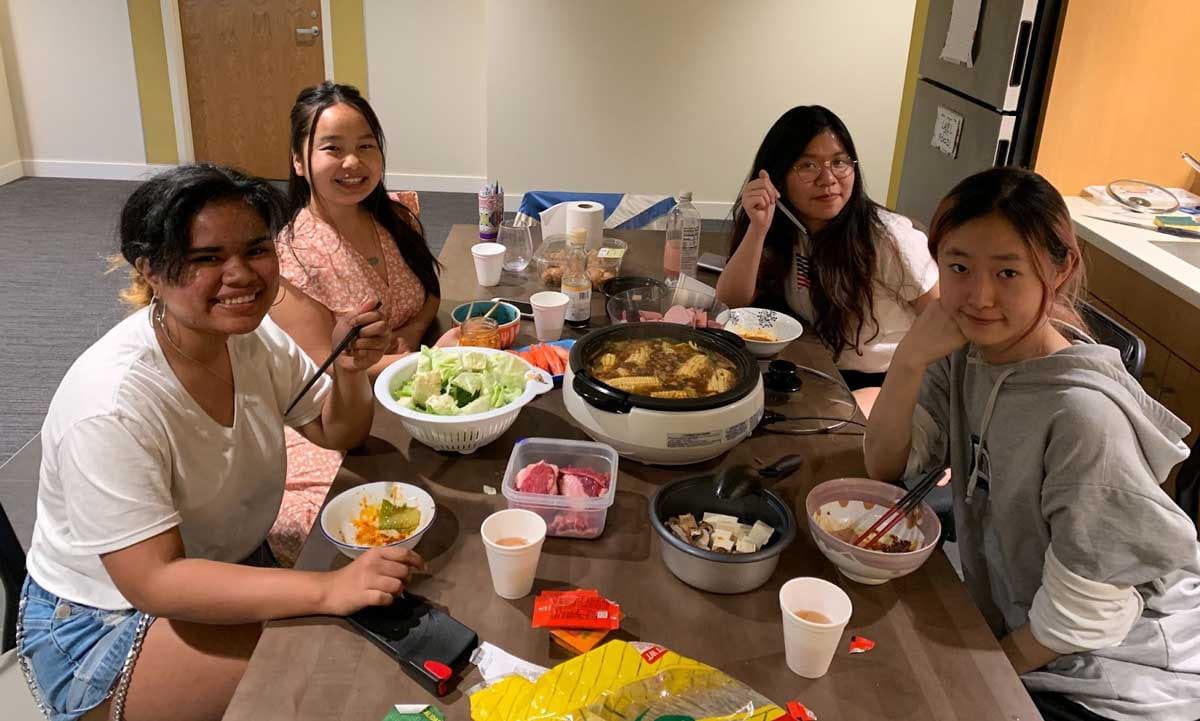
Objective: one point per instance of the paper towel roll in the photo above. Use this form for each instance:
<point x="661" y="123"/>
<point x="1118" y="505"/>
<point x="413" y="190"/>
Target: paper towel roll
<point x="589" y="215"/>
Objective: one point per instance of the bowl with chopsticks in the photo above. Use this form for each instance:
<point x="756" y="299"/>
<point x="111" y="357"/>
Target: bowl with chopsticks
<point x="506" y="315"/>
<point x="843" y="510"/>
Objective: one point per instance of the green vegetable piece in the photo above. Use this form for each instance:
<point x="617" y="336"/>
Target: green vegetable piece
<point x="398" y="518"/>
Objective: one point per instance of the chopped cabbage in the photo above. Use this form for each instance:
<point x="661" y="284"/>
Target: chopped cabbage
<point x="458" y="383"/>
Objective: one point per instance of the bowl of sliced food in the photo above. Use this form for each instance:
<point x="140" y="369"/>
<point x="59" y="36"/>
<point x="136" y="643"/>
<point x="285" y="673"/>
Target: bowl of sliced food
<point x="841" y="510"/>
<point x="459" y="398"/>
<point x="385" y="513"/>
<point x="765" y="331"/>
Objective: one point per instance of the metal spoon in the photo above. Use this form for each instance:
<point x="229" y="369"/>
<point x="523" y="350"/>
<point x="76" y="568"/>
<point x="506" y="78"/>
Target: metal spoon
<point x="737" y="481"/>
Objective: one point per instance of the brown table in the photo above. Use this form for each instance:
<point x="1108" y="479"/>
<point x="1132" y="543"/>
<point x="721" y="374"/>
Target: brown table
<point x="935" y="658"/>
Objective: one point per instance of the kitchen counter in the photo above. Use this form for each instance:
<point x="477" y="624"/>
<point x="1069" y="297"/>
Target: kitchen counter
<point x="1169" y="262"/>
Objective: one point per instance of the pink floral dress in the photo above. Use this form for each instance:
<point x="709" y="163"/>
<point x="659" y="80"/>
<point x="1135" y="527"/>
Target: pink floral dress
<point x="314" y="259"/>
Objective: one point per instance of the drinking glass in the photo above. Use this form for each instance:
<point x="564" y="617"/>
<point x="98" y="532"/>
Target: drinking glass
<point x="518" y="245"/>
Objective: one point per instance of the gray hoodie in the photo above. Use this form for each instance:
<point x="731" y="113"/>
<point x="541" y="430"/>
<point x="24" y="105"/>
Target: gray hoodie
<point x="1072" y="455"/>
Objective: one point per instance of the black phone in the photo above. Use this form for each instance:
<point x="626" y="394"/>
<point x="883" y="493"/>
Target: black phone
<point x="431" y="646"/>
<point x="522" y="306"/>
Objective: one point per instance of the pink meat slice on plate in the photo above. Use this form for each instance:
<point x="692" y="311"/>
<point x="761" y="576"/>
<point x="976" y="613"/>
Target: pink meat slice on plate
<point x="678" y="314"/>
<point x="650" y="315"/>
<point x="540" y="477"/>
<point x="574" y="481"/>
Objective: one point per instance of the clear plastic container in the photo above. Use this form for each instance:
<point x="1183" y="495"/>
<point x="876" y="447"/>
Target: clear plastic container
<point x="565" y="516"/>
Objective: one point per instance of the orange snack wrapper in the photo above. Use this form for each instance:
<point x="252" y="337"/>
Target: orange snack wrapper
<point x="580" y="609"/>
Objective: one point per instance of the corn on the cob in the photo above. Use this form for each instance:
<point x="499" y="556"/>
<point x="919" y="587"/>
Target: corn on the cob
<point x="721" y="381"/>
<point x="695" y="366"/>
<point x="682" y="393"/>
<point x="635" y="384"/>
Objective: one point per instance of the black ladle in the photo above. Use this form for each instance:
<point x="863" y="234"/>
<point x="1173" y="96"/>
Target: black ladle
<point x="742" y="480"/>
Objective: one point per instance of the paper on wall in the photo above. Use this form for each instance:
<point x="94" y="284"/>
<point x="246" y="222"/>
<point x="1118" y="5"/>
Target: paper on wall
<point x="960" y="38"/>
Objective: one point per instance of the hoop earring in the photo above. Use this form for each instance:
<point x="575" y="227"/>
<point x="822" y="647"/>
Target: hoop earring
<point x="158" y="311"/>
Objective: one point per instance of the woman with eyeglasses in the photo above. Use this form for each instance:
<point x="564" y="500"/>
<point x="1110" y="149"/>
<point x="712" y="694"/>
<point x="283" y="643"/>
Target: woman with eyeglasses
<point x="856" y="273"/>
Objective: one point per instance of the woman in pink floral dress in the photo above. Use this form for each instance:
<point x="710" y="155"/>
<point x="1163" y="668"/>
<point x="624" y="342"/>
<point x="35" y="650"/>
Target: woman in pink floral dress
<point x="348" y="242"/>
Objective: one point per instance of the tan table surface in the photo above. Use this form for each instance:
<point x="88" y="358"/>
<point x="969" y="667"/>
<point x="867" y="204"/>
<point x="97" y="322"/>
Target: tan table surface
<point x="935" y="658"/>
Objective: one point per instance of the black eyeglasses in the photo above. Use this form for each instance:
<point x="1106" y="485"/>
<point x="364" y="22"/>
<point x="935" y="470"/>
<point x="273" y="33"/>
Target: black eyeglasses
<point x="808" y="170"/>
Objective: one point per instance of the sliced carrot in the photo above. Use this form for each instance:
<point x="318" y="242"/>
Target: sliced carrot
<point x="535" y="357"/>
<point x="564" y="353"/>
<point x="546" y="358"/>
<point x="556" y="364"/>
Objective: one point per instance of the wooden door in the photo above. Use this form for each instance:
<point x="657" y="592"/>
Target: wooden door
<point x="245" y="63"/>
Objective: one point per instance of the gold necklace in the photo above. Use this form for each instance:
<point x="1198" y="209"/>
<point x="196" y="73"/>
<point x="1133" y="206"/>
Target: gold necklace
<point x="157" y="315"/>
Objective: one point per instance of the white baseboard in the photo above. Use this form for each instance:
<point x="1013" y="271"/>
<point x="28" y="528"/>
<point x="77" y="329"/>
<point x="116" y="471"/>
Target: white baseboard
<point x="712" y="210"/>
<point x="91" y="170"/>
<point x="11" y="171"/>
<point x="435" y="183"/>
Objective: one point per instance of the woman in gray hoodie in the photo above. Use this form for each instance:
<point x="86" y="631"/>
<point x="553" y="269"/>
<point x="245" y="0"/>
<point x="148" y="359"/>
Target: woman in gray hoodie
<point x="1085" y="569"/>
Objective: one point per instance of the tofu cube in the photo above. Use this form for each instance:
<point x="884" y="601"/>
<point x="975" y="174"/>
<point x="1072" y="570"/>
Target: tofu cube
<point x="721" y="535"/>
<point x="746" y="546"/>
<point x="760" y="533"/>
<point x="722" y="544"/>
<point x="721" y="521"/>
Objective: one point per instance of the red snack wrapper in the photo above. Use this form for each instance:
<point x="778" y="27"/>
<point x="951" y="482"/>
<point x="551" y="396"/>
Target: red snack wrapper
<point x="861" y="644"/>
<point x="585" y="609"/>
<point x="800" y="712"/>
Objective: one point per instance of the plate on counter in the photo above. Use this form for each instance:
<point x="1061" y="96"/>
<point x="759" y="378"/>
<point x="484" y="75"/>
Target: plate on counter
<point x="562" y="343"/>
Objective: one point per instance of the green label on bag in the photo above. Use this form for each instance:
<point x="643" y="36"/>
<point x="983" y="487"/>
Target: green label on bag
<point x="414" y="712"/>
<point x="610" y="252"/>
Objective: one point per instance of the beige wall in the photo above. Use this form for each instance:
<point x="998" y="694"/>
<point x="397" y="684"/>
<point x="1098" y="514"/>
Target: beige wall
<point x="73" y="87"/>
<point x="654" y="97"/>
<point x="425" y="68"/>
<point x="10" y="149"/>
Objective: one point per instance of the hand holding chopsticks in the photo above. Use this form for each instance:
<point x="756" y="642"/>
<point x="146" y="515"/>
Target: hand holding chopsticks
<point x="345" y="343"/>
<point x="907" y="504"/>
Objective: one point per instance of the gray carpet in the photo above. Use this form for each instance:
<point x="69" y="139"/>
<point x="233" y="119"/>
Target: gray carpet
<point x="55" y="297"/>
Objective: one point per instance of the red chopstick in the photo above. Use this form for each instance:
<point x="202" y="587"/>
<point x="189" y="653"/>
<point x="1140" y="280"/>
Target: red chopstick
<point x="907" y="503"/>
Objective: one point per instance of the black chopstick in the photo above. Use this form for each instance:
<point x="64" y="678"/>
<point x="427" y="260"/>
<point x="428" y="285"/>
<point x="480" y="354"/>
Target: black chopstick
<point x="341" y="346"/>
<point x="907" y="503"/>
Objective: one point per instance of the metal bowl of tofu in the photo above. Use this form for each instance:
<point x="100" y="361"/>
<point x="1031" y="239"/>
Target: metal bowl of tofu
<point x="663" y="393"/>
<point x="720" y="545"/>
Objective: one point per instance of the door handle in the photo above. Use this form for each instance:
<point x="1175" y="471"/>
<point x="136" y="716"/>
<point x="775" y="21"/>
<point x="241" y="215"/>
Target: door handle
<point x="313" y="32"/>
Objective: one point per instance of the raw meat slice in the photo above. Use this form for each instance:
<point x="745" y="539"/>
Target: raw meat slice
<point x="574" y="481"/>
<point x="575" y="524"/>
<point x="678" y="314"/>
<point x="648" y="315"/>
<point x="540" y="477"/>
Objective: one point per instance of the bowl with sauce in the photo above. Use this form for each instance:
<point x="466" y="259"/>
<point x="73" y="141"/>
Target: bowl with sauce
<point x="840" y="510"/>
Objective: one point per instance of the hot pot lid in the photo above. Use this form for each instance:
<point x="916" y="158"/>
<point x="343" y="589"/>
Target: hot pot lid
<point x="801" y="400"/>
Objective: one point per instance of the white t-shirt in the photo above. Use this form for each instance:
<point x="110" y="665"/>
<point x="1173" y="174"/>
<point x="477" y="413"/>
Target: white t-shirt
<point x="900" y="278"/>
<point x="127" y="453"/>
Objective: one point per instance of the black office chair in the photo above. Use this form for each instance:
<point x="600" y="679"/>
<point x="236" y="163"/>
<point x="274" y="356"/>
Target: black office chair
<point x="1111" y="333"/>
<point x="12" y="576"/>
<point x="1187" y="483"/>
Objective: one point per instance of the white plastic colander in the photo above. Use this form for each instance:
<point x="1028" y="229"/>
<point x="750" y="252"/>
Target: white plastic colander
<point x="464" y="434"/>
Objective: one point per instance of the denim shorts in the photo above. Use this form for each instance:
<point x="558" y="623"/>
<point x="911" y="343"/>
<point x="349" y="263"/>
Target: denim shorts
<point x="75" y="654"/>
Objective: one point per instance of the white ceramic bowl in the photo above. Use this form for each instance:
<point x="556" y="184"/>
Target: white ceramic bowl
<point x="464" y="434"/>
<point x="783" y="327"/>
<point x="858" y="503"/>
<point x="337" y="515"/>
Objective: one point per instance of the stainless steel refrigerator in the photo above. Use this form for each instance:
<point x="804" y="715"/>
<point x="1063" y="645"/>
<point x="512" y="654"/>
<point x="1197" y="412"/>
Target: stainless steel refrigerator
<point x="983" y="73"/>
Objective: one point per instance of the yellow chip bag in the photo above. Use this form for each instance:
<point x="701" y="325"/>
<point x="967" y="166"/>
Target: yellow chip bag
<point x="623" y="681"/>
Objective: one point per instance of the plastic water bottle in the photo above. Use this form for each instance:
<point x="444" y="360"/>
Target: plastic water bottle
<point x="682" y="248"/>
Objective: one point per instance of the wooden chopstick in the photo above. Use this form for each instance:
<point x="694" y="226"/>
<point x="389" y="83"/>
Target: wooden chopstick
<point x="907" y="503"/>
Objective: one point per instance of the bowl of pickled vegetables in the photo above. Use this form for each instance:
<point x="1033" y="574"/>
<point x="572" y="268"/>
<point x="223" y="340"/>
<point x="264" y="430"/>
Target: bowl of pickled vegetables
<point x="385" y="513"/>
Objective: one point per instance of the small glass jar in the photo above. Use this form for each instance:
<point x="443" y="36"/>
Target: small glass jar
<point x="481" y="332"/>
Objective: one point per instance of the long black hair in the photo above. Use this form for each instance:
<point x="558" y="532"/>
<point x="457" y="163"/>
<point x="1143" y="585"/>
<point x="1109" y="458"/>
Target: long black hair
<point x="156" y="222"/>
<point x="843" y="253"/>
<point x="399" y="221"/>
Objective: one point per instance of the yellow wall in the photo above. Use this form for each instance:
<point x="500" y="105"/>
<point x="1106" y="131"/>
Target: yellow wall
<point x="10" y="149"/>
<point x="349" y="40"/>
<point x="910" y="88"/>
<point x="154" y="87"/>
